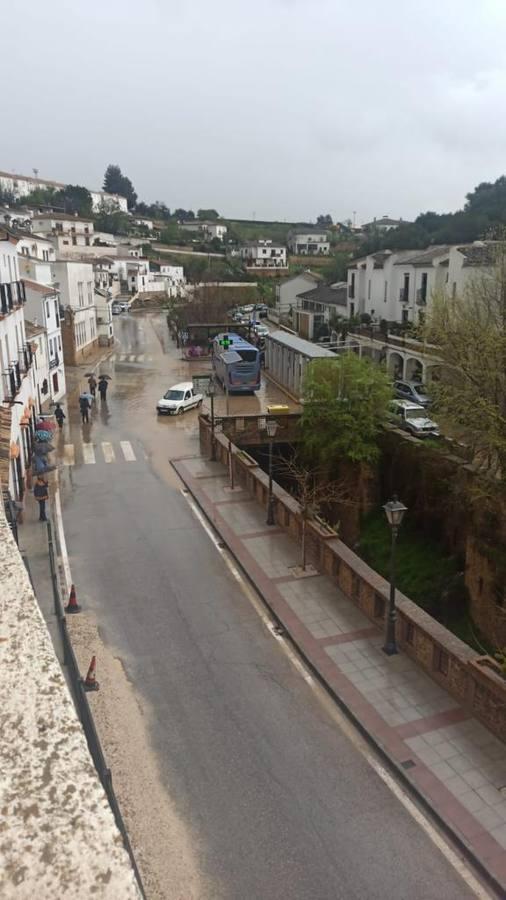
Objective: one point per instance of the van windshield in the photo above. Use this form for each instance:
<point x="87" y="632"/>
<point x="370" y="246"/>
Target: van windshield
<point x="174" y="395"/>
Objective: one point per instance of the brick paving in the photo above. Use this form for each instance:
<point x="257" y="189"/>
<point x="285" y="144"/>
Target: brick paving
<point x="450" y="758"/>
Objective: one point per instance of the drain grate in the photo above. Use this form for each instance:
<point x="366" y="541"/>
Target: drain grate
<point x="408" y="764"/>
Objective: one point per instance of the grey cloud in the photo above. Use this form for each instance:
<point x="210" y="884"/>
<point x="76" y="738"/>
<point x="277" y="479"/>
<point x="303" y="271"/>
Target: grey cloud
<point x="280" y="107"/>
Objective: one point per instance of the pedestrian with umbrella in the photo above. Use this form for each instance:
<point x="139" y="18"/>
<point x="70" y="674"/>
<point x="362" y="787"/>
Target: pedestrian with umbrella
<point x="102" y="387"/>
<point x="84" y="407"/>
<point x="92" y="383"/>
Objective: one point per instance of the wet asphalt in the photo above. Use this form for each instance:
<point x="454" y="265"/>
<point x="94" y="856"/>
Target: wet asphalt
<point x="279" y="803"/>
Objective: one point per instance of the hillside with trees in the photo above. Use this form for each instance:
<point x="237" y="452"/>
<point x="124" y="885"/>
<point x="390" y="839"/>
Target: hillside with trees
<point x="483" y="213"/>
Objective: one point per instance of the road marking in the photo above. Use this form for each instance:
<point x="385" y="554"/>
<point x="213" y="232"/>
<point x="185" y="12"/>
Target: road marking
<point x="88" y="454"/>
<point x="140" y="358"/>
<point x="68" y="455"/>
<point x="452" y="856"/>
<point x="128" y="452"/>
<point x="122" y="357"/>
<point x="132" y="357"/>
<point x="107" y="450"/>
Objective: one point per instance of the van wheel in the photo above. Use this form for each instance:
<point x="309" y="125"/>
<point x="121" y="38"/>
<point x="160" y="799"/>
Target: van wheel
<point x="180" y="411"/>
<point x="199" y="404"/>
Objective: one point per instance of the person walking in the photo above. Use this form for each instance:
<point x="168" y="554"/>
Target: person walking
<point x="92" y="384"/>
<point x="59" y="415"/>
<point x="102" y="389"/>
<point x="84" y="406"/>
<point x="41" y="494"/>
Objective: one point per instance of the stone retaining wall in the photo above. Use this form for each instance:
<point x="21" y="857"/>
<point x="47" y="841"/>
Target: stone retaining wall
<point x="474" y="681"/>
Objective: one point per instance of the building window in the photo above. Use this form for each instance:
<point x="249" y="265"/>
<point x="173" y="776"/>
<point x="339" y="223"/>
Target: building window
<point x="385" y="295"/>
<point x="80" y="292"/>
<point x="56" y="312"/>
<point x="454" y="289"/>
<point x="48" y="310"/>
<point x="369" y="289"/>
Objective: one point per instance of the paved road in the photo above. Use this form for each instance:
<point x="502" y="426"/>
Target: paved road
<point x="278" y="801"/>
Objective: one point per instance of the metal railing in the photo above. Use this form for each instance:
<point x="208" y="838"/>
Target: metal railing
<point x="84" y="711"/>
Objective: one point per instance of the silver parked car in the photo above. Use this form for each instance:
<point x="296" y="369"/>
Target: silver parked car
<point x="413" y="418"/>
<point x="414" y="391"/>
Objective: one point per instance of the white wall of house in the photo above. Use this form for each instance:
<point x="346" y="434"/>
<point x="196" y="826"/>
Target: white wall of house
<point x="214" y="230"/>
<point x="22" y="185"/>
<point x="264" y="255"/>
<point x="76" y="283"/>
<point x="16" y="378"/>
<point x="306" y="243"/>
<point x="42" y="307"/>
<point x="286" y="292"/>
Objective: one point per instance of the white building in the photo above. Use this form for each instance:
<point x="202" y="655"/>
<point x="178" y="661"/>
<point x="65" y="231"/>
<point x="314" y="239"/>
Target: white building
<point x="288" y="289"/>
<point x="143" y="222"/>
<point x="43" y="309"/>
<point x="318" y="308"/>
<point x="308" y="242"/>
<point x="37" y="337"/>
<point x="397" y="286"/>
<point x="263" y="254"/>
<point x="172" y="277"/>
<point x="76" y="284"/>
<point x="17" y="391"/>
<point x="383" y="224"/>
<point x="214" y="230"/>
<point x="208" y="230"/>
<point x="67" y="232"/>
<point x="22" y="185"/>
<point x="105" y="327"/>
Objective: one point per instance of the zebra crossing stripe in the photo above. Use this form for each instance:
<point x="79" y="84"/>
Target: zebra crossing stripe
<point x="88" y="454"/>
<point x="108" y="451"/>
<point x="128" y="452"/>
<point x="132" y="357"/>
<point x="140" y="358"/>
<point x="68" y="455"/>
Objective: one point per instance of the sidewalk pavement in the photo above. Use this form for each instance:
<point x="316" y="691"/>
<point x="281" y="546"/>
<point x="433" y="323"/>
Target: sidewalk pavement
<point x="453" y="762"/>
<point x="34" y="548"/>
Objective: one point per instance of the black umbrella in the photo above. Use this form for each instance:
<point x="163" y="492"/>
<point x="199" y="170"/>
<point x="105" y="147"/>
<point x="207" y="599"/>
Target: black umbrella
<point x="104" y="377"/>
<point x="89" y="375"/>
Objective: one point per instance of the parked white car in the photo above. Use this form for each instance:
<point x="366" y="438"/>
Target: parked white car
<point x="413" y="418"/>
<point x="178" y="399"/>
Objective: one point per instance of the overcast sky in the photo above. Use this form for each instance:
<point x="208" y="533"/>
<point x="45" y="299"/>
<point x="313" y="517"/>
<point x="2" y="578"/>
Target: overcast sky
<point x="279" y="108"/>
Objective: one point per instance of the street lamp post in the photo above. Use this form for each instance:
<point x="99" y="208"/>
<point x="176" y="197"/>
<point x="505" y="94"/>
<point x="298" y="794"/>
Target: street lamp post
<point x="394" y="511"/>
<point x="211" y="391"/>
<point x="272" y="427"/>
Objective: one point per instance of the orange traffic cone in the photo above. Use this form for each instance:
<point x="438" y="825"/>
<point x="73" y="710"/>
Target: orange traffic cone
<point x="72" y="606"/>
<point x="90" y="684"/>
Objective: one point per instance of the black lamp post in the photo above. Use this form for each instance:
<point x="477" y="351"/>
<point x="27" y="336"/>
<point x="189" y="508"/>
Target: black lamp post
<point x="394" y="511"/>
<point x="211" y="391"/>
<point x="272" y="427"/>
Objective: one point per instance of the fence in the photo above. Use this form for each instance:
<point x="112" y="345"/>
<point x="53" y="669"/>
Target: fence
<point x="84" y="711"/>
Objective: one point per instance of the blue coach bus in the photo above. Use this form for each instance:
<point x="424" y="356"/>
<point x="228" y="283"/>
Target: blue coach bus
<point x="242" y="376"/>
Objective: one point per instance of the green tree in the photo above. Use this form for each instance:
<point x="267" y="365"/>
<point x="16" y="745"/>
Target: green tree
<point x="470" y="333"/>
<point x="117" y="183"/>
<point x="325" y="221"/>
<point x="208" y="215"/>
<point x="76" y="199"/>
<point x="345" y="402"/>
<point x="112" y="219"/>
